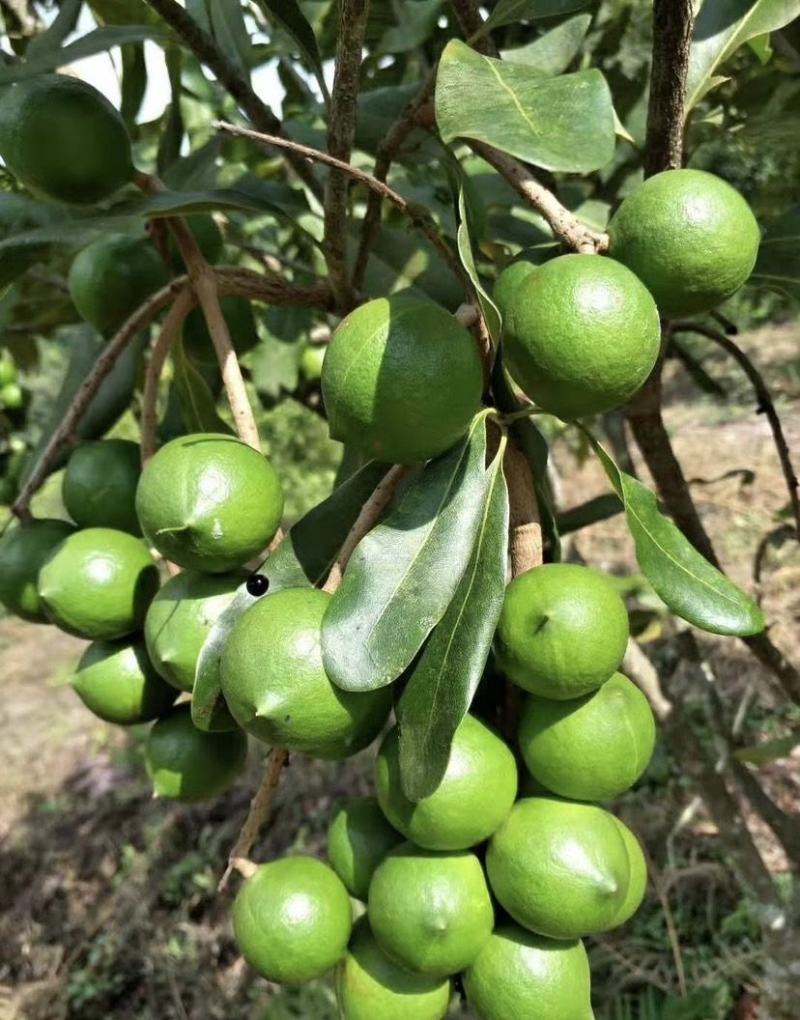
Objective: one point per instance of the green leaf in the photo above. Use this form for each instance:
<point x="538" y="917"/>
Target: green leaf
<point x="289" y="16"/>
<point x="134" y="82"/>
<point x="415" y="22"/>
<point x="209" y="711"/>
<point x="778" y="263"/>
<point x="722" y="26"/>
<point x="60" y="27"/>
<point x="402" y="260"/>
<point x="508" y="12"/>
<point x="441" y="688"/>
<point x="171" y="136"/>
<point x="561" y="123"/>
<point x="230" y="32"/>
<point x="768" y="750"/>
<point x="553" y="52"/>
<point x="197" y="403"/>
<point x="488" y="307"/>
<point x="679" y="574"/>
<point x="404" y="573"/>
<point x="98" y="41"/>
<point x="599" y="508"/>
<point x="305" y="556"/>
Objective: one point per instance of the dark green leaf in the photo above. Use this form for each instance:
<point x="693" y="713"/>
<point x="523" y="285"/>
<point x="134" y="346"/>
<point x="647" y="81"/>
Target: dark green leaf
<point x="289" y="16"/>
<point x="600" y="508"/>
<point x="561" y="123"/>
<point x="441" y="688"/>
<point x="778" y="265"/>
<point x="768" y="750"/>
<point x="99" y="41"/>
<point x="404" y="573"/>
<point x="171" y="137"/>
<point x="306" y="555"/>
<point x="508" y="12"/>
<point x="488" y="307"/>
<point x="61" y="26"/>
<point x="722" y="26"/>
<point x="679" y="574"/>
<point x="209" y="711"/>
<point x="197" y="403"/>
<point x="230" y="32"/>
<point x="134" y="82"/>
<point x="553" y="52"/>
<point x="415" y="23"/>
<point x="402" y="260"/>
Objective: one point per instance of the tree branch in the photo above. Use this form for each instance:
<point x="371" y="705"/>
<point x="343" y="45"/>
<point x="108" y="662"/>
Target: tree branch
<point x="525" y="537"/>
<point x="170" y="330"/>
<point x="419" y="216"/>
<point x="366" y="521"/>
<point x="208" y="53"/>
<point x="473" y="26"/>
<point x="673" y="21"/>
<point x="257" y="816"/>
<point x="564" y="224"/>
<point x="139" y="320"/>
<point x="766" y="405"/>
<point x="341" y="132"/>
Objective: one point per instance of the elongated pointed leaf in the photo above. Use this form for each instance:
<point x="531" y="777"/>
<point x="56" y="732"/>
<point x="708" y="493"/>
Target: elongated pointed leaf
<point x="507" y="12"/>
<point x="306" y="555"/>
<point x="288" y="14"/>
<point x="197" y="403"/>
<point x="61" y="26"/>
<point x="230" y="32"/>
<point x="679" y="574"/>
<point x="209" y="711"/>
<point x="722" y="26"/>
<point x="441" y="688"/>
<point x="561" y="123"/>
<point x="404" y="573"/>
<point x="488" y="308"/>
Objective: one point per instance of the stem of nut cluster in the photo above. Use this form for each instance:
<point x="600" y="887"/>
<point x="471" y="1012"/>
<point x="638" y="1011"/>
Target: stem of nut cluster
<point x="370" y="512"/>
<point x="525" y="539"/>
<point x="170" y="330"/>
<point x="257" y="817"/>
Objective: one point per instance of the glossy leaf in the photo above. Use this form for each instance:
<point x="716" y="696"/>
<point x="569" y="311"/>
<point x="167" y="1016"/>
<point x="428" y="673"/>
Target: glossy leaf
<point x="404" y="573"/>
<point x="778" y="264"/>
<point x="465" y="253"/>
<point x="98" y="41"/>
<point x="440" y="690"/>
<point x="306" y="555"/>
<point x="562" y="123"/>
<point x="289" y="15"/>
<point x="209" y="711"/>
<point x="679" y="574"/>
<point x="722" y="26"/>
<point x="508" y="12"/>
<point x="554" y="51"/>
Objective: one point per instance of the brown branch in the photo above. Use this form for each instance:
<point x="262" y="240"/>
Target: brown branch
<point x="341" y="132"/>
<point x="525" y="531"/>
<point x="61" y="438"/>
<point x="673" y="21"/>
<point x="419" y="216"/>
<point x="260" y="287"/>
<point x="473" y="26"/>
<point x="564" y="224"/>
<point x="366" y="520"/>
<point x="208" y="53"/>
<point x="170" y="330"/>
<point x="766" y="405"/>
<point x="257" y="816"/>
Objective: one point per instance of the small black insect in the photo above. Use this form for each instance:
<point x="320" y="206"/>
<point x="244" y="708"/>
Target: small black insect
<point x="257" y="584"/>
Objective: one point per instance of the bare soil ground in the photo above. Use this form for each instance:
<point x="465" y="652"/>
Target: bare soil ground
<point x="107" y="898"/>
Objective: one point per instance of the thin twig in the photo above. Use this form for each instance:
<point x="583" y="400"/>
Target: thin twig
<point x="564" y="224"/>
<point x="61" y="438"/>
<point x="341" y="132"/>
<point x="673" y="21"/>
<point x="170" y="330"/>
<point x="366" y="520"/>
<point x="257" y="815"/>
<point x="419" y="216"/>
<point x="766" y="405"/>
<point x="235" y="84"/>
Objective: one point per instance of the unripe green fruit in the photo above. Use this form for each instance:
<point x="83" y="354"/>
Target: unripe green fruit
<point x="359" y="837"/>
<point x="402" y="379"/>
<point x="24" y="550"/>
<point x="371" y="986"/>
<point x="98" y="584"/>
<point x="292" y="920"/>
<point x="590" y="748"/>
<point x="311" y="361"/>
<point x="12" y="396"/>
<point x="581" y="335"/>
<point x="180" y="619"/>
<point x="689" y="237"/>
<point x="562" y="632"/>
<point x="197" y="340"/>
<point x="63" y="140"/>
<point x="509" y="279"/>
<point x="519" y="975"/>
<point x="559" y="868"/>
<point x="188" y="764"/>
<point x="471" y="802"/>
<point x="116" y="681"/>
<point x="429" y="911"/>
<point x="276" y="687"/>
<point x="99" y="485"/>
<point x="637" y="886"/>
<point x="209" y="502"/>
<point x="110" y="278"/>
